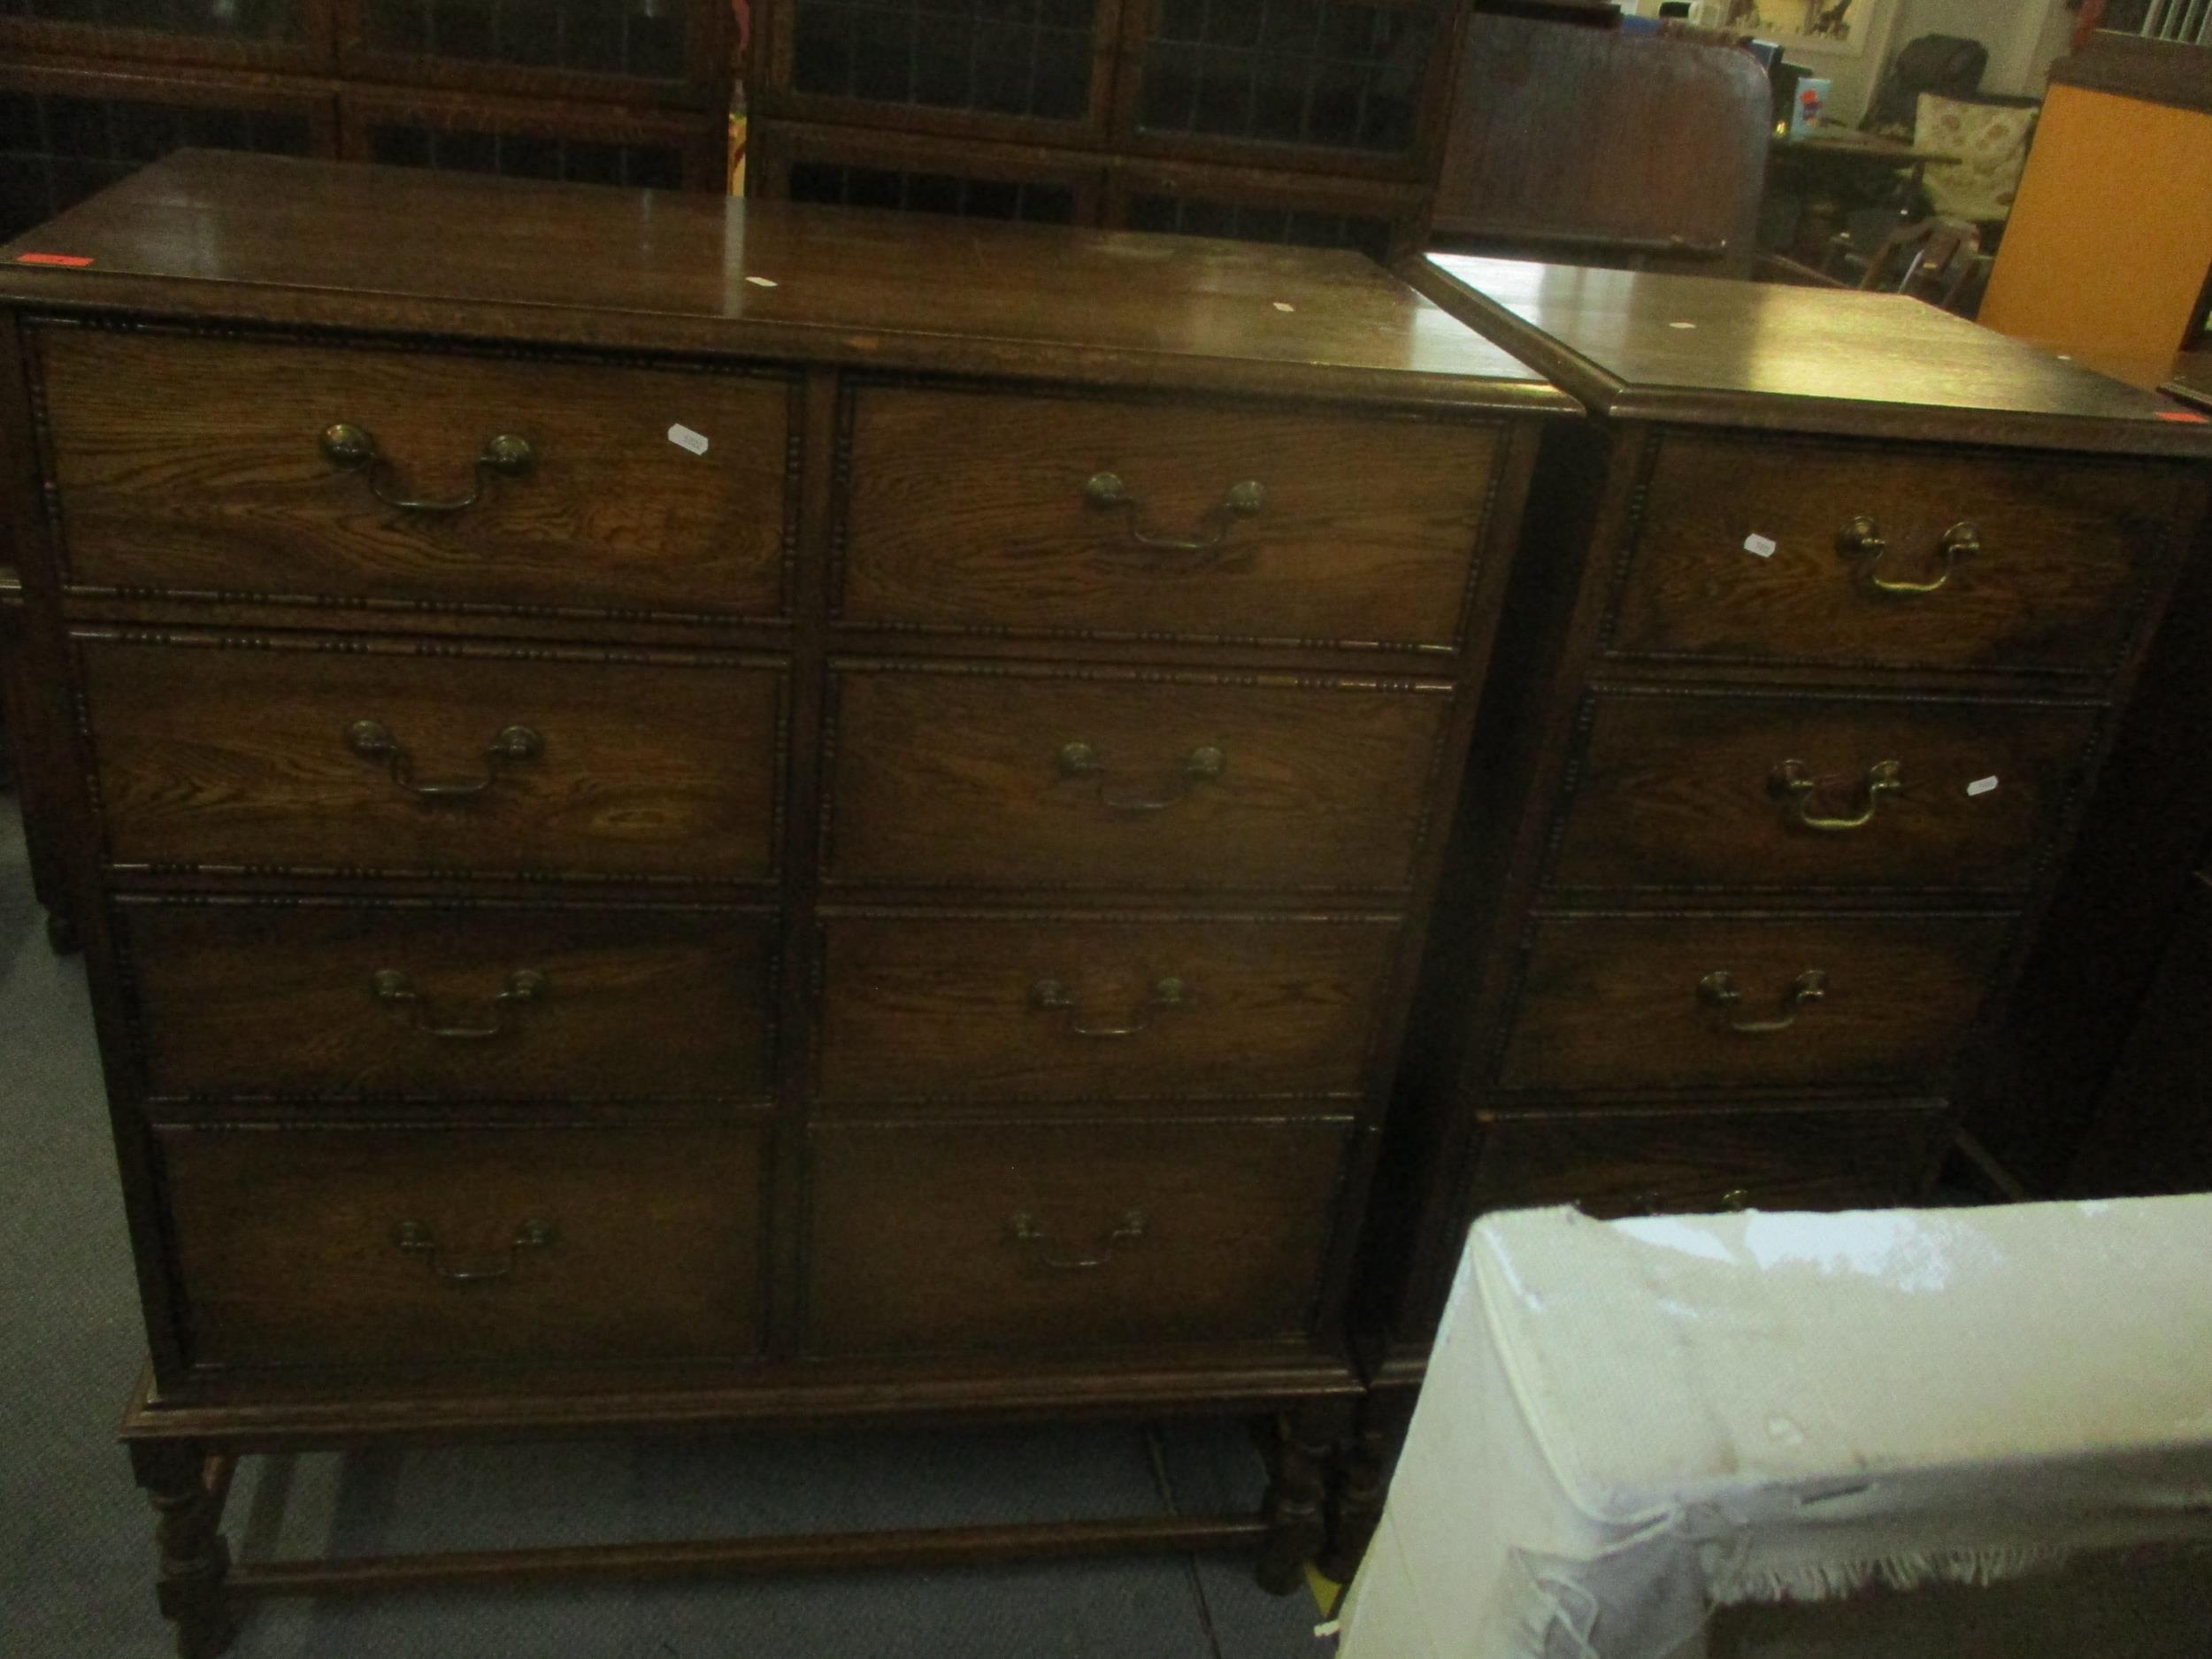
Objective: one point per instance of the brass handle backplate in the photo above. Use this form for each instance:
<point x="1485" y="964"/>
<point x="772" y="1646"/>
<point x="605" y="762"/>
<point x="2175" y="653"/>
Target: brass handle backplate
<point x="373" y="739"/>
<point x="1792" y="783"/>
<point x="1202" y="764"/>
<point x="1055" y="995"/>
<point x="416" y="1239"/>
<point x="352" y="448"/>
<point x="1107" y="489"/>
<point x="1861" y="538"/>
<point x="397" y="991"/>
<point x="1024" y="1230"/>
<point x="1718" y="992"/>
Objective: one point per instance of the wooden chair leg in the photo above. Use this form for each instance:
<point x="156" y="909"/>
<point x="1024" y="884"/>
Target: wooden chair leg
<point x="186" y="1487"/>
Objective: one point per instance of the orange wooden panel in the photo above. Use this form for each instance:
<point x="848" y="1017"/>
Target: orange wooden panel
<point x="2106" y="255"/>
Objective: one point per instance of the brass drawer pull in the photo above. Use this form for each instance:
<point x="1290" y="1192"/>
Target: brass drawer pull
<point x="1200" y="765"/>
<point x="1051" y="994"/>
<point x="1106" y="489"/>
<point x="1863" y="538"/>
<point x="1718" y="992"/>
<point x="414" y="1237"/>
<point x="1794" y="783"/>
<point x="373" y="739"/>
<point x="352" y="448"/>
<point x="1024" y="1232"/>
<point x="397" y="991"/>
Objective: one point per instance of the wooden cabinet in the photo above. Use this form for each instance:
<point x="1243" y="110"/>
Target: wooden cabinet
<point x="1330" y="85"/>
<point x="632" y="92"/>
<point x="576" y="143"/>
<point x="1034" y="72"/>
<point x="67" y="132"/>
<point x="262" y="35"/>
<point x="639" y="52"/>
<point x="921" y="172"/>
<point x="849" y="845"/>
<point x="1824" y="626"/>
<point x="1309" y="122"/>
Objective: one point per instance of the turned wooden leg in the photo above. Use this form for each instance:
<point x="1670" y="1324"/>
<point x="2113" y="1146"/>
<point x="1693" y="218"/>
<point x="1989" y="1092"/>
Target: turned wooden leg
<point x="187" y="1488"/>
<point x="1379" y="1434"/>
<point x="1306" y="1439"/>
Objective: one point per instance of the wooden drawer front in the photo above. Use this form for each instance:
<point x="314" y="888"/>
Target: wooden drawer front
<point x="419" y="759"/>
<point x="445" y="1247"/>
<point x="1736" y="789"/>
<point x="1023" y="1236"/>
<point x="2061" y="543"/>
<point x="1632" y="1163"/>
<point x="978" y="510"/>
<point x="1059" y="1008"/>
<point x="1632" y="1002"/>
<point x="198" y="464"/>
<point x="486" y="1000"/>
<point x="976" y="778"/>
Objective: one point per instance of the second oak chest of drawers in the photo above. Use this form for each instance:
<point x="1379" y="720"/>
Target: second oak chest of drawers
<point x="1823" y="625"/>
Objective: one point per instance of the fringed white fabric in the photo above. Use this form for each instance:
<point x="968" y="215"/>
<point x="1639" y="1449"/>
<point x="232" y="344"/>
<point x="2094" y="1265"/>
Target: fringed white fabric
<point x="1827" y="1580"/>
<point x="1628" y="1426"/>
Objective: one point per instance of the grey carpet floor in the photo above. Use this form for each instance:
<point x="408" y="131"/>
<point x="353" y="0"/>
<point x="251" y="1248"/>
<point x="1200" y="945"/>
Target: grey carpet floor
<point x="79" y="1538"/>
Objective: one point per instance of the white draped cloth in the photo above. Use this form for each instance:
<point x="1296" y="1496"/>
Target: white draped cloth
<point x="1627" y="1425"/>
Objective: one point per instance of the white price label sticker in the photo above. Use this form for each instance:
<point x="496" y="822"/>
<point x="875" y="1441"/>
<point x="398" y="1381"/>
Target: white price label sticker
<point x="684" y="438"/>
<point x="1763" y="546"/>
<point x="1981" y="785"/>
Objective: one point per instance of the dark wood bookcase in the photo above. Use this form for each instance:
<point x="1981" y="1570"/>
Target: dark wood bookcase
<point x="622" y="91"/>
<point x="1305" y="121"/>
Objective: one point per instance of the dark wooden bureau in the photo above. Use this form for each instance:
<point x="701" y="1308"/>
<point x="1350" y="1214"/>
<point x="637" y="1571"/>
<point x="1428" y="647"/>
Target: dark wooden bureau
<point x="1823" y="624"/>
<point x="694" y="815"/>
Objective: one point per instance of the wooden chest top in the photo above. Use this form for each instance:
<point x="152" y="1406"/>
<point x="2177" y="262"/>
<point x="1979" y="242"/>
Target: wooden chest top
<point x="1651" y="346"/>
<point x="275" y="240"/>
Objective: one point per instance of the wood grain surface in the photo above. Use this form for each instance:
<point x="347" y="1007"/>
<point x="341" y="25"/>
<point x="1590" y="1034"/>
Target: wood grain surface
<point x="924" y="1006"/>
<point x="288" y="1240"/>
<point x="361" y="246"/>
<point x="1634" y="1164"/>
<point x="2063" y="543"/>
<point x="278" y="998"/>
<point x="1364" y="533"/>
<point x="915" y="1247"/>
<point x="1320" y="784"/>
<point x="646" y="767"/>
<point x="1679" y="789"/>
<point x="195" y="462"/>
<point x="1653" y="345"/>
<point x="1613" y="1002"/>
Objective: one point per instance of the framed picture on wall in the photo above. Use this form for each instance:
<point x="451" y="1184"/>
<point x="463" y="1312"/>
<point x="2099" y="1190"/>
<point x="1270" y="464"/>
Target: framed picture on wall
<point x="1816" y="26"/>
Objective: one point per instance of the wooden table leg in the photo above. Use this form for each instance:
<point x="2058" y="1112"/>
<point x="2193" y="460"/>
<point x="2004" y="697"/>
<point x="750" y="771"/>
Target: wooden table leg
<point x="1378" y="1436"/>
<point x="186" y="1487"/>
<point x="1309" y="1440"/>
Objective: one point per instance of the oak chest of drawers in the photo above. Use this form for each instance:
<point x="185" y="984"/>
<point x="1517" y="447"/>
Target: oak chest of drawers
<point x="1823" y="625"/>
<point x="692" y="817"/>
